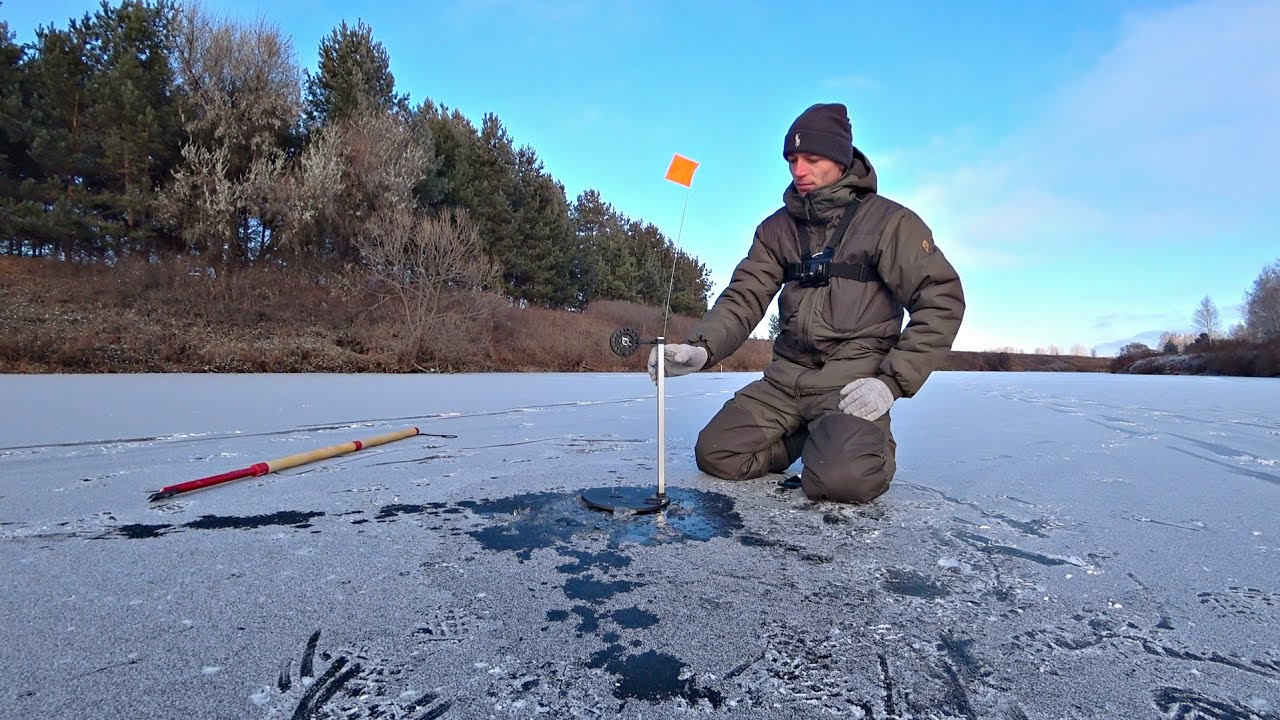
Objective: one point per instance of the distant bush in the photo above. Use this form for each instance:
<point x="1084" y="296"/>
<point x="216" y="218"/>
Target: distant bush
<point x="1244" y="358"/>
<point x="1130" y="354"/>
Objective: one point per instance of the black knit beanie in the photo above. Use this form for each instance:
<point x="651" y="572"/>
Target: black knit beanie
<point x="823" y="130"/>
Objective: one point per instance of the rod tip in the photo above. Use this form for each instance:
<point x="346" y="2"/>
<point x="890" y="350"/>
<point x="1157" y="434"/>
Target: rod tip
<point x="161" y="495"/>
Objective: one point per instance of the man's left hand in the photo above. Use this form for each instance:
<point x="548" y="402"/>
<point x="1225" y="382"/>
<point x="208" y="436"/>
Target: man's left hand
<point x="867" y="398"/>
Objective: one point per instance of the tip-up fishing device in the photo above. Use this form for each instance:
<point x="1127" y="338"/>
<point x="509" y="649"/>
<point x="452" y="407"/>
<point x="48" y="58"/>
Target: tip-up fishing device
<point x="624" y="343"/>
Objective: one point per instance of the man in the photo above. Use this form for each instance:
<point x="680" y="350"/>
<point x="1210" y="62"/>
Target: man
<point x="848" y="262"/>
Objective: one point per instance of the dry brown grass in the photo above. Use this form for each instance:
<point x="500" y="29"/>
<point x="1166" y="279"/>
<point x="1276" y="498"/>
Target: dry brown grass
<point x="179" y="316"/>
<point x="174" y="316"/>
<point x="1019" y="362"/>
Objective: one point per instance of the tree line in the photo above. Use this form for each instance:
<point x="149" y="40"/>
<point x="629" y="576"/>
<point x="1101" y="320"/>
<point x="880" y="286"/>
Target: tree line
<point x="1260" y="322"/>
<point x="153" y="129"/>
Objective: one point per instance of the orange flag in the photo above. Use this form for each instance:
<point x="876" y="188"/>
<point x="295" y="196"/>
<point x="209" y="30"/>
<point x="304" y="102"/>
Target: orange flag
<point x="681" y="170"/>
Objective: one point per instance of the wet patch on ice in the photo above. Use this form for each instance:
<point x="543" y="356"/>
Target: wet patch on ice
<point x="652" y="677"/>
<point x="534" y="521"/>
<point x="138" y="531"/>
<point x="593" y="545"/>
<point x="753" y="540"/>
<point x="634" y="618"/>
<point x="595" y="590"/>
<point x="391" y="511"/>
<point x="289" y="518"/>
<point x="245" y="522"/>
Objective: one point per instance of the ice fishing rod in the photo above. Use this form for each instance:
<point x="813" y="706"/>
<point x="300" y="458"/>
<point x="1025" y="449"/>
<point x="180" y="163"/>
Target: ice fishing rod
<point x="284" y="463"/>
<point x="624" y="342"/>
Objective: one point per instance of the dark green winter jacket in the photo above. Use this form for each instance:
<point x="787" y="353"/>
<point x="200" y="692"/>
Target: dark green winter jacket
<point x="848" y="329"/>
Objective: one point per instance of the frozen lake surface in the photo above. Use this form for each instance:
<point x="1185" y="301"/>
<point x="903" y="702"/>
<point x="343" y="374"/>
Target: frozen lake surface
<point x="1054" y="546"/>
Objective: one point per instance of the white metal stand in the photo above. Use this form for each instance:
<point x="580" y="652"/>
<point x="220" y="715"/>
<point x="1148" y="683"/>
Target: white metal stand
<point x="662" y="412"/>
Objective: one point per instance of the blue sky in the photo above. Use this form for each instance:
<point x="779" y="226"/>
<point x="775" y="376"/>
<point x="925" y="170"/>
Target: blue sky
<point x="1093" y="169"/>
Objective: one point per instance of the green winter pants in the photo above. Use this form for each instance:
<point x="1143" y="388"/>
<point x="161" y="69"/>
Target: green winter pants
<point x="764" y="428"/>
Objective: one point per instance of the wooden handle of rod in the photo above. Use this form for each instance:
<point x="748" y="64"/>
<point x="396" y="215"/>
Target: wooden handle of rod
<point x="303" y="458"/>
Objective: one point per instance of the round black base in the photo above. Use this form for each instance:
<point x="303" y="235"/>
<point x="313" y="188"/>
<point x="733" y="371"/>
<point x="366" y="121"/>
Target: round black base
<point x="638" y="500"/>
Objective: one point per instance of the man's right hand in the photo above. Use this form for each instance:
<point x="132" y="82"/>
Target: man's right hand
<point x="678" y="360"/>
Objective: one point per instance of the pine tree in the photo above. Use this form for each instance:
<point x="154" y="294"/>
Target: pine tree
<point x="545" y="243"/>
<point x="138" y="126"/>
<point x="63" y="143"/>
<point x="103" y="128"/>
<point x="353" y="79"/>
<point x="16" y="167"/>
<point x="605" y="269"/>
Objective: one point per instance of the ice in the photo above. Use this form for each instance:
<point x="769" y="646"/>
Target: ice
<point x="1042" y="531"/>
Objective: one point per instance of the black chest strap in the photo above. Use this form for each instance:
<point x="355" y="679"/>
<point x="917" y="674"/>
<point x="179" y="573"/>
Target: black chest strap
<point x="861" y="272"/>
<point x="853" y="271"/>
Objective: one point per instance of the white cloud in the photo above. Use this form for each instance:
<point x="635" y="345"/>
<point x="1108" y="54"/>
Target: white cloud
<point x="1165" y="141"/>
<point x="1181" y="111"/>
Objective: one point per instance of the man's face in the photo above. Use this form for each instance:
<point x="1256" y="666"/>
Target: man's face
<point x="810" y="172"/>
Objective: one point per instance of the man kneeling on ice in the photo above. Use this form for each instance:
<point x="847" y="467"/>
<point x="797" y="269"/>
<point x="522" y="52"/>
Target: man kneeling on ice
<point x="848" y="263"/>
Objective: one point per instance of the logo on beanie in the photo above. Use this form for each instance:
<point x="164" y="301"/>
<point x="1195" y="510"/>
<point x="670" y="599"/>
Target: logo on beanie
<point x="796" y="142"/>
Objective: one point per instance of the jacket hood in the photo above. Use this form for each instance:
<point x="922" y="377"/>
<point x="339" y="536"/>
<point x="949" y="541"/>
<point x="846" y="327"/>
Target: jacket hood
<point x="828" y="202"/>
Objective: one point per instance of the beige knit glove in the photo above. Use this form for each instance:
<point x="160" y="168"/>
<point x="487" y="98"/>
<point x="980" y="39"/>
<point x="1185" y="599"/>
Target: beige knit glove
<point x="679" y="360"/>
<point x="867" y="398"/>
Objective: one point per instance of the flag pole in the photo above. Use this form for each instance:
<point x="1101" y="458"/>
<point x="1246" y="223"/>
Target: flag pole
<point x="671" y="282"/>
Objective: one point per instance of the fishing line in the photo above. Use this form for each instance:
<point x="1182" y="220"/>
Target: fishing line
<point x="675" y="249"/>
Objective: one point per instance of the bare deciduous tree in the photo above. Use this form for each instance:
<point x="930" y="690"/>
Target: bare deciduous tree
<point x="240" y="96"/>
<point x="435" y="272"/>
<point x="1207" y="319"/>
<point x="1262" y="304"/>
<point x="352" y="174"/>
<point x="1175" y="342"/>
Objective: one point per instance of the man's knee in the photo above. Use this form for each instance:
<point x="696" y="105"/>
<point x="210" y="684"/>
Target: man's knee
<point x="734" y="446"/>
<point x="846" y="459"/>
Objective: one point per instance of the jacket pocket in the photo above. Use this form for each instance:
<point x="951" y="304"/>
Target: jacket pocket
<point x="788" y="305"/>
<point x="796" y="320"/>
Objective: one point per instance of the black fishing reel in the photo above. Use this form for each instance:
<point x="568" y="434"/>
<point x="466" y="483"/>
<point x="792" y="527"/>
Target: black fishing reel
<point x="624" y="342"/>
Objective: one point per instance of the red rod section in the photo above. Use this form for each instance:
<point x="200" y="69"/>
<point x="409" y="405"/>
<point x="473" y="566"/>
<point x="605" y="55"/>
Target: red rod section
<point x="252" y="471"/>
